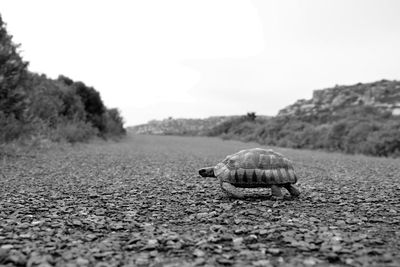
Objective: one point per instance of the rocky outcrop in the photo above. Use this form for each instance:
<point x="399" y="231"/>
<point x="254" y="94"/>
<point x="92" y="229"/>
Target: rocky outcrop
<point x="383" y="95"/>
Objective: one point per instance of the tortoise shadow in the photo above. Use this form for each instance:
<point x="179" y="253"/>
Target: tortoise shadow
<point x="261" y="197"/>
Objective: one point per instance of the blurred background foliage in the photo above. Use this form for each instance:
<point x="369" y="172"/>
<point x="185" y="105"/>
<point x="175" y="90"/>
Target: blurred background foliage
<point x="35" y="106"/>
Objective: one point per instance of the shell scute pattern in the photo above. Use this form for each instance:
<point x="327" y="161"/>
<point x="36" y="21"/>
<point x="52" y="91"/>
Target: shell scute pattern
<point x="254" y="177"/>
<point x="264" y="161"/>
<point x="256" y="168"/>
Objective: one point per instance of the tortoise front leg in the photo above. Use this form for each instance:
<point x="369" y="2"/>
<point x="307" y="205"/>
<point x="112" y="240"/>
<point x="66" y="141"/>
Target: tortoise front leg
<point x="276" y="193"/>
<point x="294" y="192"/>
<point x="231" y="190"/>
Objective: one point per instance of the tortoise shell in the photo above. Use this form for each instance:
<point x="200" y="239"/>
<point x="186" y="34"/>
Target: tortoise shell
<point x="256" y="168"/>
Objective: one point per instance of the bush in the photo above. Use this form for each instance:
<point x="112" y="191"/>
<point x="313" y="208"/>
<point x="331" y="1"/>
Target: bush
<point x="10" y="127"/>
<point x="73" y="132"/>
<point x="114" y="123"/>
<point x="357" y="138"/>
<point x="363" y="130"/>
<point x="385" y="141"/>
<point x="93" y="105"/>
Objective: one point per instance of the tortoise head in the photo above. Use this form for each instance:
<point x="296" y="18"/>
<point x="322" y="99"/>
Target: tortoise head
<point x="207" y="172"/>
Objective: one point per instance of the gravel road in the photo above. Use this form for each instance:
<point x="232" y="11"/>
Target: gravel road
<point x="140" y="202"/>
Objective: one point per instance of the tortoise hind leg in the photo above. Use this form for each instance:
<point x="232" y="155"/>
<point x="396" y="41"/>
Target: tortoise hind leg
<point x="292" y="190"/>
<point x="231" y="190"/>
<point x="276" y="193"/>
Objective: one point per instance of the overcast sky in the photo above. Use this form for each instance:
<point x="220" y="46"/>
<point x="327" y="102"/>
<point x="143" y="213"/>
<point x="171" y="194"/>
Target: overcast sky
<point x="194" y="59"/>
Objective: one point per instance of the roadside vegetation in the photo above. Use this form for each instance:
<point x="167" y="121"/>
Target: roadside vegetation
<point x="358" y="130"/>
<point x="35" y="107"/>
<point x="364" y="130"/>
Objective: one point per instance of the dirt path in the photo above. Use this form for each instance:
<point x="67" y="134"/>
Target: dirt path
<point x="140" y="202"/>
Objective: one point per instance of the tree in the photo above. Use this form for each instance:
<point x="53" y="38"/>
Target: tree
<point x="93" y="104"/>
<point x="251" y="116"/>
<point x="12" y="74"/>
<point x="65" y="80"/>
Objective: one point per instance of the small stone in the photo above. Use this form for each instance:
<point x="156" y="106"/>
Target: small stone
<point x="199" y="253"/>
<point x="27" y="235"/>
<point x="199" y="262"/>
<point x="310" y="261"/>
<point x="71" y="264"/>
<point x="117" y="226"/>
<point x="387" y="256"/>
<point x="340" y="222"/>
<point x="225" y="261"/>
<point x="333" y="257"/>
<point x="6" y="247"/>
<point x="274" y="251"/>
<point x="76" y="222"/>
<point x="152" y="244"/>
<point x="91" y="237"/>
<point x="81" y="261"/>
<point x="213" y="213"/>
<point x="153" y="253"/>
<point x="237" y="241"/>
<point x="102" y="264"/>
<point x="3" y="254"/>
<point x="201" y="215"/>
<point x="241" y="231"/>
<point x="226" y="206"/>
<point x="263" y="232"/>
<point x="17" y="257"/>
<point x="142" y="259"/>
<point x="262" y="263"/>
<point x="251" y="238"/>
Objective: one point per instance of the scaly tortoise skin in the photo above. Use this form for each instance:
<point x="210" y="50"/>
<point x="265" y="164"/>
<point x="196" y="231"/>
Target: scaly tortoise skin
<point x="254" y="168"/>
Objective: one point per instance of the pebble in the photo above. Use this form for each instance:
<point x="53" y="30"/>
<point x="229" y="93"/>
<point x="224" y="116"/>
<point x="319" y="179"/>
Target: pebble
<point x="6" y="247"/>
<point x="152" y="244"/>
<point x="82" y="261"/>
<point x="199" y="253"/>
<point x="274" y="251"/>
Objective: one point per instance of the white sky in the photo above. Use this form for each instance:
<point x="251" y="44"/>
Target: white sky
<point x="155" y="59"/>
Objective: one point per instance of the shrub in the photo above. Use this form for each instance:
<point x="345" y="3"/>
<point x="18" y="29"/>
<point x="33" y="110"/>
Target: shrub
<point x="12" y="76"/>
<point x="357" y="137"/>
<point x="10" y="127"/>
<point x="365" y="130"/>
<point x="73" y="131"/>
<point x="114" y="124"/>
<point x="93" y="104"/>
<point x="385" y="141"/>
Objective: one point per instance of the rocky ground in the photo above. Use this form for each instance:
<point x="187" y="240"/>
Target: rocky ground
<point x="140" y="202"/>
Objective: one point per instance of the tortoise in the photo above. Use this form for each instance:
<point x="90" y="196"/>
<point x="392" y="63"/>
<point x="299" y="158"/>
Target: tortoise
<point x="253" y="168"/>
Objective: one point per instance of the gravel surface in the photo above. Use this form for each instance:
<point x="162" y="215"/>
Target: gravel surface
<point x="140" y="202"/>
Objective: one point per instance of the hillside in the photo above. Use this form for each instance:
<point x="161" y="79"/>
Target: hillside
<point x="382" y="95"/>
<point x="356" y="119"/>
<point x="182" y="126"/>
